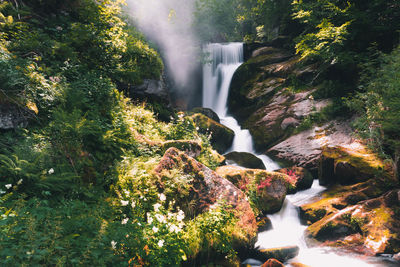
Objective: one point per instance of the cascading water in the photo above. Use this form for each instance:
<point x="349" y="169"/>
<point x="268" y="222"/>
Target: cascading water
<point x="287" y="229"/>
<point x="217" y="77"/>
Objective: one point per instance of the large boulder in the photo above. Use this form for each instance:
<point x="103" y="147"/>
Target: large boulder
<point x="339" y="197"/>
<point x="277" y="118"/>
<point x="207" y="112"/>
<point x="301" y="178"/>
<point x="191" y="148"/>
<point x="244" y="159"/>
<point x="359" y="217"/>
<point x="201" y="188"/>
<point x="266" y="190"/>
<point x="221" y="136"/>
<point x="323" y="147"/>
<point x="13" y="116"/>
<point x="151" y="89"/>
<point x="346" y="165"/>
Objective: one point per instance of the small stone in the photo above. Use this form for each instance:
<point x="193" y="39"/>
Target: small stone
<point x="273" y="263"/>
<point x="282" y="254"/>
<point x="264" y="224"/>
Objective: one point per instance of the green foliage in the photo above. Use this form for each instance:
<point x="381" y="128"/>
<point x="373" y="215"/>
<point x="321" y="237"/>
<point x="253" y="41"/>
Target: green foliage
<point x="332" y="28"/>
<point x="326" y="28"/>
<point x="182" y="128"/>
<point x="211" y="233"/>
<point x="378" y="103"/>
<point x="235" y="20"/>
<point x="325" y="43"/>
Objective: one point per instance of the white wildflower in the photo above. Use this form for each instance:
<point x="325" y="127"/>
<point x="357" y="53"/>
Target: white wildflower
<point x="126" y="192"/>
<point x="197" y="128"/>
<point x="157" y="206"/>
<point x="19" y="181"/>
<point x="149" y="219"/>
<point x="162" y="197"/>
<point x="139" y="224"/>
<point x="180" y="216"/>
<point x="124" y="202"/>
<point x="8" y="186"/>
<point x="160" y="243"/>
<point x="2" y="192"/>
<point x="113" y="244"/>
<point x="160" y="218"/>
<point x="51" y="171"/>
<point x="125" y="221"/>
<point x="174" y="228"/>
<point x="133" y="205"/>
<point x="155" y="229"/>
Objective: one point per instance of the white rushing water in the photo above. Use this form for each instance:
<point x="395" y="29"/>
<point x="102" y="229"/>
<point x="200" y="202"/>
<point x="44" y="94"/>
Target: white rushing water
<point x="287" y="228"/>
<point x="217" y="77"/>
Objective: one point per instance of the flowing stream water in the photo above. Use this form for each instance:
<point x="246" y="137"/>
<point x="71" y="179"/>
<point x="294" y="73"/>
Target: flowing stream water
<point x="287" y="228"/>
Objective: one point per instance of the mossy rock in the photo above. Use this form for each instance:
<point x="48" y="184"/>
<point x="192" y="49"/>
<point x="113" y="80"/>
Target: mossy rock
<point x="349" y="166"/>
<point x="198" y="188"/>
<point x="207" y="112"/>
<point x="282" y="253"/>
<point x="191" y="148"/>
<point x="266" y="190"/>
<point x="301" y="178"/>
<point x="360" y="217"/>
<point x="244" y="159"/>
<point x="221" y="136"/>
<point x="339" y="197"/>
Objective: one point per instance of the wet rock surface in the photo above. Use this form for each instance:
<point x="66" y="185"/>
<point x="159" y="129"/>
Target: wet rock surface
<point x="363" y="218"/>
<point x="244" y="159"/>
<point x="301" y="178"/>
<point x="281" y="254"/>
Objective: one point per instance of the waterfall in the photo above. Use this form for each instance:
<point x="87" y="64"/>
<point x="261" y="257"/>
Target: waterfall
<point x="217" y="74"/>
<point x="287" y="229"/>
<point x="224" y="60"/>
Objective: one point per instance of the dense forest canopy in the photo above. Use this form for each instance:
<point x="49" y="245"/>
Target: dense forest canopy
<point x="81" y="165"/>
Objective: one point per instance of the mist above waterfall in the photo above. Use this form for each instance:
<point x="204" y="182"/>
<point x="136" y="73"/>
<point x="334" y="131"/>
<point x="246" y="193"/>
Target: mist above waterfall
<point x="168" y="23"/>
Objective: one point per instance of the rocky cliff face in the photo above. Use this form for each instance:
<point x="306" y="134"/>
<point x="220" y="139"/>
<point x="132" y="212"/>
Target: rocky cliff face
<point x="263" y="99"/>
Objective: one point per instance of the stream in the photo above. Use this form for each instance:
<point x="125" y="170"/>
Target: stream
<point x="287" y="228"/>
